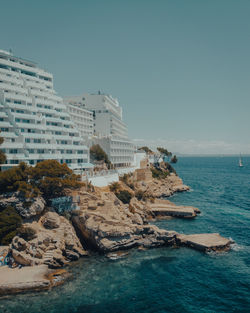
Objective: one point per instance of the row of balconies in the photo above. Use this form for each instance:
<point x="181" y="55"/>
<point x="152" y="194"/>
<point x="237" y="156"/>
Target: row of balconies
<point x="40" y="84"/>
<point x="18" y="97"/>
<point x="25" y="107"/>
<point x="32" y="70"/>
<point x="13" y="88"/>
<point x="10" y="79"/>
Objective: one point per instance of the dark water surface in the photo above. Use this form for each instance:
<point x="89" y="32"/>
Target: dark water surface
<point x="167" y="279"/>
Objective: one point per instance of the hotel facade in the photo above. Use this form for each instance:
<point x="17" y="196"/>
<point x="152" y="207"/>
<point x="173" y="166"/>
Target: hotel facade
<point x="34" y="121"/>
<point x="109" y="130"/>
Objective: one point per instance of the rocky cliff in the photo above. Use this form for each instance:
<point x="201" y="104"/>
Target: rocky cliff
<point x="55" y="242"/>
<point x="106" y="224"/>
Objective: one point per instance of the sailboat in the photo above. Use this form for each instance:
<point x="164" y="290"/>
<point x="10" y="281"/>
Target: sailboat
<point x="240" y="162"/>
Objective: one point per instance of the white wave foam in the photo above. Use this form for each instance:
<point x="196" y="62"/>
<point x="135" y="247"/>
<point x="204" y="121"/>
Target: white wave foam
<point x="236" y="247"/>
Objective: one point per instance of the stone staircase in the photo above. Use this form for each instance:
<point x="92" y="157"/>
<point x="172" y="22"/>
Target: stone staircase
<point x="48" y="256"/>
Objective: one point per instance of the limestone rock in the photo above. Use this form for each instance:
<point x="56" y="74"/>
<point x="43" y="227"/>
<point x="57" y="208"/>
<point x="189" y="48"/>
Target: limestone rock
<point x="55" y="244"/>
<point x="27" y="208"/>
<point x="19" y="244"/>
<point x="115" y="226"/>
<point x="158" y="188"/>
<point x="51" y="220"/>
<point x="24" y="258"/>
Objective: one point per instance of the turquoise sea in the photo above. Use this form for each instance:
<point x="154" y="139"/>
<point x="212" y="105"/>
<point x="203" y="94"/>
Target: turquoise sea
<point x="166" y="279"/>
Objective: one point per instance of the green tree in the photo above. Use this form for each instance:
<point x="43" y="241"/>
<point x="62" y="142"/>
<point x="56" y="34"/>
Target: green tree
<point x="114" y="187"/>
<point x="124" y="195"/>
<point x="174" y="159"/>
<point x="146" y="149"/>
<point x="48" y="178"/>
<point x="11" y="179"/>
<point x="10" y="221"/>
<point x="164" y="151"/>
<point x="52" y="178"/>
<point x="2" y="154"/>
<point x="98" y="154"/>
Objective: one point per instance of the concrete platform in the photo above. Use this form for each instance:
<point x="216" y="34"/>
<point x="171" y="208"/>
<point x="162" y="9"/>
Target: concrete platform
<point x="24" y="279"/>
<point x="205" y="242"/>
<point x="161" y="210"/>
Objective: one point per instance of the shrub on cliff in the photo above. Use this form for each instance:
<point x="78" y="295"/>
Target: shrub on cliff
<point x="48" y="178"/>
<point x="114" y="187"/>
<point x="142" y="195"/>
<point x="2" y="154"/>
<point x="52" y="178"/>
<point x="125" y="178"/>
<point x="9" y="222"/>
<point x="131" y="185"/>
<point x="170" y="168"/>
<point x="98" y="154"/>
<point x="146" y="149"/>
<point x="159" y="173"/>
<point x="174" y="159"/>
<point x="164" y="152"/>
<point x="139" y="194"/>
<point x="11" y="178"/>
<point x="124" y="195"/>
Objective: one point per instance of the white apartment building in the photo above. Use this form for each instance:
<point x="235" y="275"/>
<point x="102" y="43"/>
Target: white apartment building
<point x="81" y="117"/>
<point x="34" y="121"/>
<point x="109" y="131"/>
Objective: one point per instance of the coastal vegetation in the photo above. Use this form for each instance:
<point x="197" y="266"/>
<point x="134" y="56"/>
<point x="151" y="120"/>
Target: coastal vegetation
<point x="10" y="221"/>
<point x="159" y="173"/>
<point x="164" y="152"/>
<point x="2" y="154"/>
<point x="48" y="178"/>
<point x="128" y="180"/>
<point x="174" y="159"/>
<point x="124" y="195"/>
<point x="142" y="195"/>
<point x="146" y="149"/>
<point x="114" y="187"/>
<point x="98" y="154"/>
<point x="163" y="170"/>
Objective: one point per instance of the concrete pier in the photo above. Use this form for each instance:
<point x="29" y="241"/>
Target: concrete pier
<point x="161" y="210"/>
<point x="205" y="242"/>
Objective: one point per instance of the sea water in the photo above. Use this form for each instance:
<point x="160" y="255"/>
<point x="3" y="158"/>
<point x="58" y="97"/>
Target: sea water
<point x="167" y="279"/>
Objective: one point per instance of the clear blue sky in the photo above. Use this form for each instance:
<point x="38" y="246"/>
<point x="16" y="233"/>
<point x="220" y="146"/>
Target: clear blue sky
<point x="180" y="68"/>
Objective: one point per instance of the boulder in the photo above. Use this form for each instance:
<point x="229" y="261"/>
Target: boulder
<point x="27" y="208"/>
<point x="19" y="244"/>
<point x="24" y="258"/>
<point x="55" y="243"/>
<point x="51" y="220"/>
<point x="115" y="226"/>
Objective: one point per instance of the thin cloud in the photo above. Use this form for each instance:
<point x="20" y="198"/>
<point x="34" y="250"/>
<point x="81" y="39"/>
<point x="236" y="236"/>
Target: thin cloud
<point x="192" y="146"/>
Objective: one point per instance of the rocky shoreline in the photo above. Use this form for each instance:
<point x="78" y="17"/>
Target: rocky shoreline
<point x="102" y="223"/>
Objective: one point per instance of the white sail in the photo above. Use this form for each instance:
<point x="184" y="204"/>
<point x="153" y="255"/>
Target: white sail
<point x="240" y="162"/>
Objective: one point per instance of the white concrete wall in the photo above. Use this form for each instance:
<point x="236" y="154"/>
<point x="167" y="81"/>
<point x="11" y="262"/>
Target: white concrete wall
<point x="102" y="181"/>
<point x="138" y="157"/>
<point x="125" y="170"/>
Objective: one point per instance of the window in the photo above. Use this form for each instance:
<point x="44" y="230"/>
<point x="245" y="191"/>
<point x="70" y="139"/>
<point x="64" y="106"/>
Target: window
<point x="13" y="161"/>
<point x="14" y="151"/>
